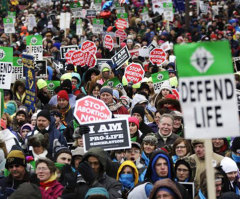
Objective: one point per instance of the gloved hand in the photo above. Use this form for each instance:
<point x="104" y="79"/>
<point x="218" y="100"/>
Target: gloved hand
<point x="87" y="172"/>
<point x="68" y="177"/>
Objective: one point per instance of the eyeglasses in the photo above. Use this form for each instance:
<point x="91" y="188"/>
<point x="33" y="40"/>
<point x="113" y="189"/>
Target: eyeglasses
<point x="180" y="147"/>
<point x="42" y="169"/>
<point x="14" y="165"/>
<point x="132" y="124"/>
<point x="182" y="170"/>
<point x="133" y="151"/>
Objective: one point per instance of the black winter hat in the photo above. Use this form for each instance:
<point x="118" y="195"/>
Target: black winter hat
<point x="236" y="145"/>
<point x="184" y="162"/>
<point x="61" y="149"/>
<point x="67" y="85"/>
<point x="46" y="114"/>
<point x="138" y="109"/>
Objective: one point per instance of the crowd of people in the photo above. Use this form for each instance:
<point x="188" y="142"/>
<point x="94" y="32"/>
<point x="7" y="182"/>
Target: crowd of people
<point x="42" y="154"/>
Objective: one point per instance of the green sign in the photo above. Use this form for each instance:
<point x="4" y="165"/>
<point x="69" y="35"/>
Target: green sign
<point x="34" y="46"/>
<point x="97" y="26"/>
<point x="79" y="27"/>
<point x="17" y="61"/>
<point x="75" y="5"/>
<point x="6" y="63"/>
<point x="34" y="40"/>
<point x="158" y="79"/>
<point x="8" y="20"/>
<point x="12" y="14"/>
<point x="113" y="83"/>
<point x="98" y="21"/>
<point x="97" y="1"/>
<point x="167" y="5"/>
<point x="17" y="72"/>
<point x="122" y="16"/>
<point x="51" y="85"/>
<point x="207" y="89"/>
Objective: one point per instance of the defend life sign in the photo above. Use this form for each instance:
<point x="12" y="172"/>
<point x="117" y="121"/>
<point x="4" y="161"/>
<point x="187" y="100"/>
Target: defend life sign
<point x="6" y="67"/>
<point x="17" y="72"/>
<point x="112" y="134"/>
<point x="158" y="79"/>
<point x="207" y="90"/>
<point x="34" y="46"/>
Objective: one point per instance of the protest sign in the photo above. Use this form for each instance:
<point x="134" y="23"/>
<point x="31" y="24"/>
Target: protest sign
<point x="101" y="61"/>
<point x="152" y="46"/>
<point x="17" y="72"/>
<point x="89" y="46"/>
<point x="29" y="73"/>
<point x="118" y="7"/>
<point x="8" y="25"/>
<point x="190" y="188"/>
<point x="91" y="13"/>
<point x="168" y="11"/>
<point x="40" y="68"/>
<point x="122" y="16"/>
<point x="134" y="53"/>
<point x="34" y="46"/>
<point x="98" y="4"/>
<point x="76" y="8"/>
<point x="157" y="56"/>
<point x="157" y="7"/>
<point x="134" y="73"/>
<point x="121" y="24"/>
<point x="68" y="56"/>
<point x="121" y="57"/>
<point x="89" y="59"/>
<point x="121" y="34"/>
<point x="166" y="46"/>
<point x="144" y="52"/>
<point x="89" y="109"/>
<point x="97" y="26"/>
<point x="113" y="83"/>
<point x="65" y="19"/>
<point x="79" y="28"/>
<point x="31" y="22"/>
<point x="77" y="58"/>
<point x="6" y="67"/>
<point x="207" y="90"/>
<point x="158" y="79"/>
<point x="51" y="85"/>
<point x="113" y="134"/>
<point x="108" y="42"/>
<point x="144" y="14"/>
<point x="65" y="49"/>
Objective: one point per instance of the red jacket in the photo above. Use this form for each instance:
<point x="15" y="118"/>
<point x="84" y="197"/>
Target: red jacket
<point x="52" y="192"/>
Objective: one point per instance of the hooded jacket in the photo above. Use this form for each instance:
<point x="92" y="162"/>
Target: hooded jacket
<point x="103" y="180"/>
<point x="165" y="183"/>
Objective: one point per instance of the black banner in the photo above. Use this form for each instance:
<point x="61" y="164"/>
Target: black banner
<point x="121" y="57"/>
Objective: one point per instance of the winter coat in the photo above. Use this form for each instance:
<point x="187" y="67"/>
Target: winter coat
<point x="55" y="137"/>
<point x="170" y="140"/>
<point x="113" y="187"/>
<point x="154" y="126"/>
<point x="9" y="138"/>
<point x="53" y="191"/>
<point x="139" y="192"/>
<point x="9" y="185"/>
<point x="167" y="183"/>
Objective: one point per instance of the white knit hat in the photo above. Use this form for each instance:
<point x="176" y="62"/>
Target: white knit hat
<point x="166" y="85"/>
<point x="228" y="165"/>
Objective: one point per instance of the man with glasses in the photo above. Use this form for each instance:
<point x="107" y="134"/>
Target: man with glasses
<point x="16" y="165"/>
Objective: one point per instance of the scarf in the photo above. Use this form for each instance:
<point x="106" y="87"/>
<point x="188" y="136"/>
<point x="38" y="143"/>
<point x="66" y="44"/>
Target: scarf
<point x="21" y="98"/>
<point x="200" y="194"/>
<point x="164" y="137"/>
<point x="236" y="158"/>
<point x="145" y="158"/>
<point x="127" y="180"/>
<point x="63" y="113"/>
<point x="42" y="155"/>
<point x="45" y="185"/>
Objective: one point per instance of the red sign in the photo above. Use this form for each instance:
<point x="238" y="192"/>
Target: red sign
<point x="121" y="24"/>
<point x="78" y="58"/>
<point x="134" y="53"/>
<point x="134" y="73"/>
<point x="175" y="92"/>
<point x="89" y="109"/>
<point x="121" y="34"/>
<point x="157" y="56"/>
<point x="108" y="42"/>
<point x="89" y="46"/>
<point x="68" y="56"/>
<point x="89" y="59"/>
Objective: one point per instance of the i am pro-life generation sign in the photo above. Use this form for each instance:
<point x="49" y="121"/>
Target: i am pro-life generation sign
<point x="207" y="90"/>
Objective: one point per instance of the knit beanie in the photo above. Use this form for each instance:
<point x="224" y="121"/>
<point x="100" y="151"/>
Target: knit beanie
<point x="139" y="110"/>
<point x="228" y="165"/>
<point x="62" y="95"/>
<point x="11" y="108"/>
<point x="66" y="76"/>
<point x="236" y="145"/>
<point x="134" y="120"/>
<point x="105" y="67"/>
<point x="97" y="191"/>
<point x="166" y="85"/>
<point x="27" y="126"/>
<point x="41" y="83"/>
<point x="61" y="149"/>
<point x="106" y="90"/>
<point x="150" y="138"/>
<point x="46" y="114"/>
<point x="15" y="156"/>
<point x="67" y="85"/>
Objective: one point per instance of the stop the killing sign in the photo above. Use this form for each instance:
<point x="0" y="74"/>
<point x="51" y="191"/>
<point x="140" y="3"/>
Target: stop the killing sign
<point x="89" y="109"/>
<point x="157" y="56"/>
<point x="108" y="42"/>
<point x="134" y="73"/>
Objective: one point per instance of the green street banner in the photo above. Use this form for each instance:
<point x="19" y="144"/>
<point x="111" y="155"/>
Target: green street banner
<point x="207" y="90"/>
<point x="51" y="85"/>
<point x="8" y="25"/>
<point x="6" y="67"/>
<point x="79" y="28"/>
<point x="97" y="26"/>
<point x="34" y="46"/>
<point x="114" y="83"/>
<point x="17" y="72"/>
<point x="158" y="79"/>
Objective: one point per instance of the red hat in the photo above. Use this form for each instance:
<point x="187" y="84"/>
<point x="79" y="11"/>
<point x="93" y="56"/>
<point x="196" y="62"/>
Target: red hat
<point x="170" y="96"/>
<point x="3" y="124"/>
<point x="63" y="94"/>
<point x="134" y="120"/>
